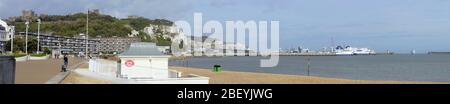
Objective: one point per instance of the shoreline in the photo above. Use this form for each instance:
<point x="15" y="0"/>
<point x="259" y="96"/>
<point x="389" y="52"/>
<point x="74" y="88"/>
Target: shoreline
<point x="236" y="77"/>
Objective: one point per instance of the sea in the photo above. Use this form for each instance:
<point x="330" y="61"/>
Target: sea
<point x="399" y="67"/>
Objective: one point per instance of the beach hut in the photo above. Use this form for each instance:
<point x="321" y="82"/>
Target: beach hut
<point x="143" y="61"/>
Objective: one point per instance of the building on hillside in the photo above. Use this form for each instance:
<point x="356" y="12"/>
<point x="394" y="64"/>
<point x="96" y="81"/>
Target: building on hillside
<point x="95" y="11"/>
<point x="28" y="15"/>
<point x="134" y="17"/>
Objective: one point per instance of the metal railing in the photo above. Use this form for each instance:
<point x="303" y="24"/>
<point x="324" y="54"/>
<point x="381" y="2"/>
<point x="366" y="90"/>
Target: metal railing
<point x="102" y="66"/>
<point x="108" y="66"/>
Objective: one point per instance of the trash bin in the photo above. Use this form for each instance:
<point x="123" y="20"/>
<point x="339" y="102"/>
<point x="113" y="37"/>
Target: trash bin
<point x="217" y="68"/>
<point x="7" y="69"/>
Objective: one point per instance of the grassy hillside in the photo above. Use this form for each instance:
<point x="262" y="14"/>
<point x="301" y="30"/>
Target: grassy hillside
<point x="99" y="24"/>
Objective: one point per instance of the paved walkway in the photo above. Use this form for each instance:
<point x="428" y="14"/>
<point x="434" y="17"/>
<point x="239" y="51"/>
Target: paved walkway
<point x="40" y="71"/>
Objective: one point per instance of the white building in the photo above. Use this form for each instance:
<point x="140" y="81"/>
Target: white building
<point x="143" y="60"/>
<point x="6" y="33"/>
<point x="141" y="63"/>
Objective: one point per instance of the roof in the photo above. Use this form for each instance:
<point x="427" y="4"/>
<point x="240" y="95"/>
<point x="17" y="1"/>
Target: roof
<point x="143" y="49"/>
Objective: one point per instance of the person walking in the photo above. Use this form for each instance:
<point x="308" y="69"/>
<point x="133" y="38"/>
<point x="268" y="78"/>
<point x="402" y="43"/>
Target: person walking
<point x="66" y="62"/>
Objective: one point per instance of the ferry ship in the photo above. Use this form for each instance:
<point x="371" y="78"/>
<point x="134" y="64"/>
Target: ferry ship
<point x="349" y="51"/>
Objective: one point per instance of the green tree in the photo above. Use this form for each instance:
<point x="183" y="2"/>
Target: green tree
<point x="47" y="51"/>
<point x="19" y="44"/>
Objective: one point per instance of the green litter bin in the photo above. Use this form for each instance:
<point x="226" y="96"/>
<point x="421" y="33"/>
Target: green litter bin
<point x="217" y="68"/>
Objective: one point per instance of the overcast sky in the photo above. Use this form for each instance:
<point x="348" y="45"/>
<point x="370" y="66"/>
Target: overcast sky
<point x="397" y="25"/>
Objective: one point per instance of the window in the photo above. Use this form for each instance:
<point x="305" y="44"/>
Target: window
<point x="2" y="28"/>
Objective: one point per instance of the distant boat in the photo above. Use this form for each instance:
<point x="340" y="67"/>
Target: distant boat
<point x="349" y="51"/>
<point x="413" y="52"/>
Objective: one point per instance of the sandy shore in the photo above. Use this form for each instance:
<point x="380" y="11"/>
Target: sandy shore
<point x="39" y="71"/>
<point x="74" y="78"/>
<point x="233" y="77"/>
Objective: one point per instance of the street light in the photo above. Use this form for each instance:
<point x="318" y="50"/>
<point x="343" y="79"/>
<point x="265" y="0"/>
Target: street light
<point x="12" y="30"/>
<point x="39" y="26"/>
<point x="26" y="37"/>
<point x="87" y="33"/>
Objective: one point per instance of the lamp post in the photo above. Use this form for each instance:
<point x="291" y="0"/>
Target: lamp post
<point x="12" y="30"/>
<point x="38" y="33"/>
<point x="309" y="65"/>
<point x="26" y="37"/>
<point x="87" y="33"/>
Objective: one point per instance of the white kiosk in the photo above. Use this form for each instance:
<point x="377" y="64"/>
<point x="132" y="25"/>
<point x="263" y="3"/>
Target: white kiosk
<point x="143" y="61"/>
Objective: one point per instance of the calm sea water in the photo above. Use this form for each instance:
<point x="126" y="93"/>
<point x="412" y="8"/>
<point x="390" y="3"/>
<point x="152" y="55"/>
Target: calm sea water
<point x="378" y="67"/>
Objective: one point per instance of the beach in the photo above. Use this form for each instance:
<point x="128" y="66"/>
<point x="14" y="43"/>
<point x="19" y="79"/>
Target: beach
<point x="234" y="77"/>
<point x="40" y="71"/>
<point x="421" y="68"/>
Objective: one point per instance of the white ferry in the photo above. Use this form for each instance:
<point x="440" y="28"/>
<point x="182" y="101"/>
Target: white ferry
<point x="348" y="51"/>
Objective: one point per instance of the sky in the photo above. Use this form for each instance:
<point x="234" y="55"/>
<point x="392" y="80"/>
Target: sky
<point x="395" y="25"/>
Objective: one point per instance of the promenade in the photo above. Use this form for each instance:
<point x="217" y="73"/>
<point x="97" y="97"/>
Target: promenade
<point x="40" y="71"/>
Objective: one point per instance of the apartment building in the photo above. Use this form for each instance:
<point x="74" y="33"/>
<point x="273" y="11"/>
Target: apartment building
<point x="114" y="44"/>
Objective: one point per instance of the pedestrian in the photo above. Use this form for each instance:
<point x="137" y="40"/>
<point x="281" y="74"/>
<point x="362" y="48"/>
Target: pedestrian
<point x="66" y="62"/>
